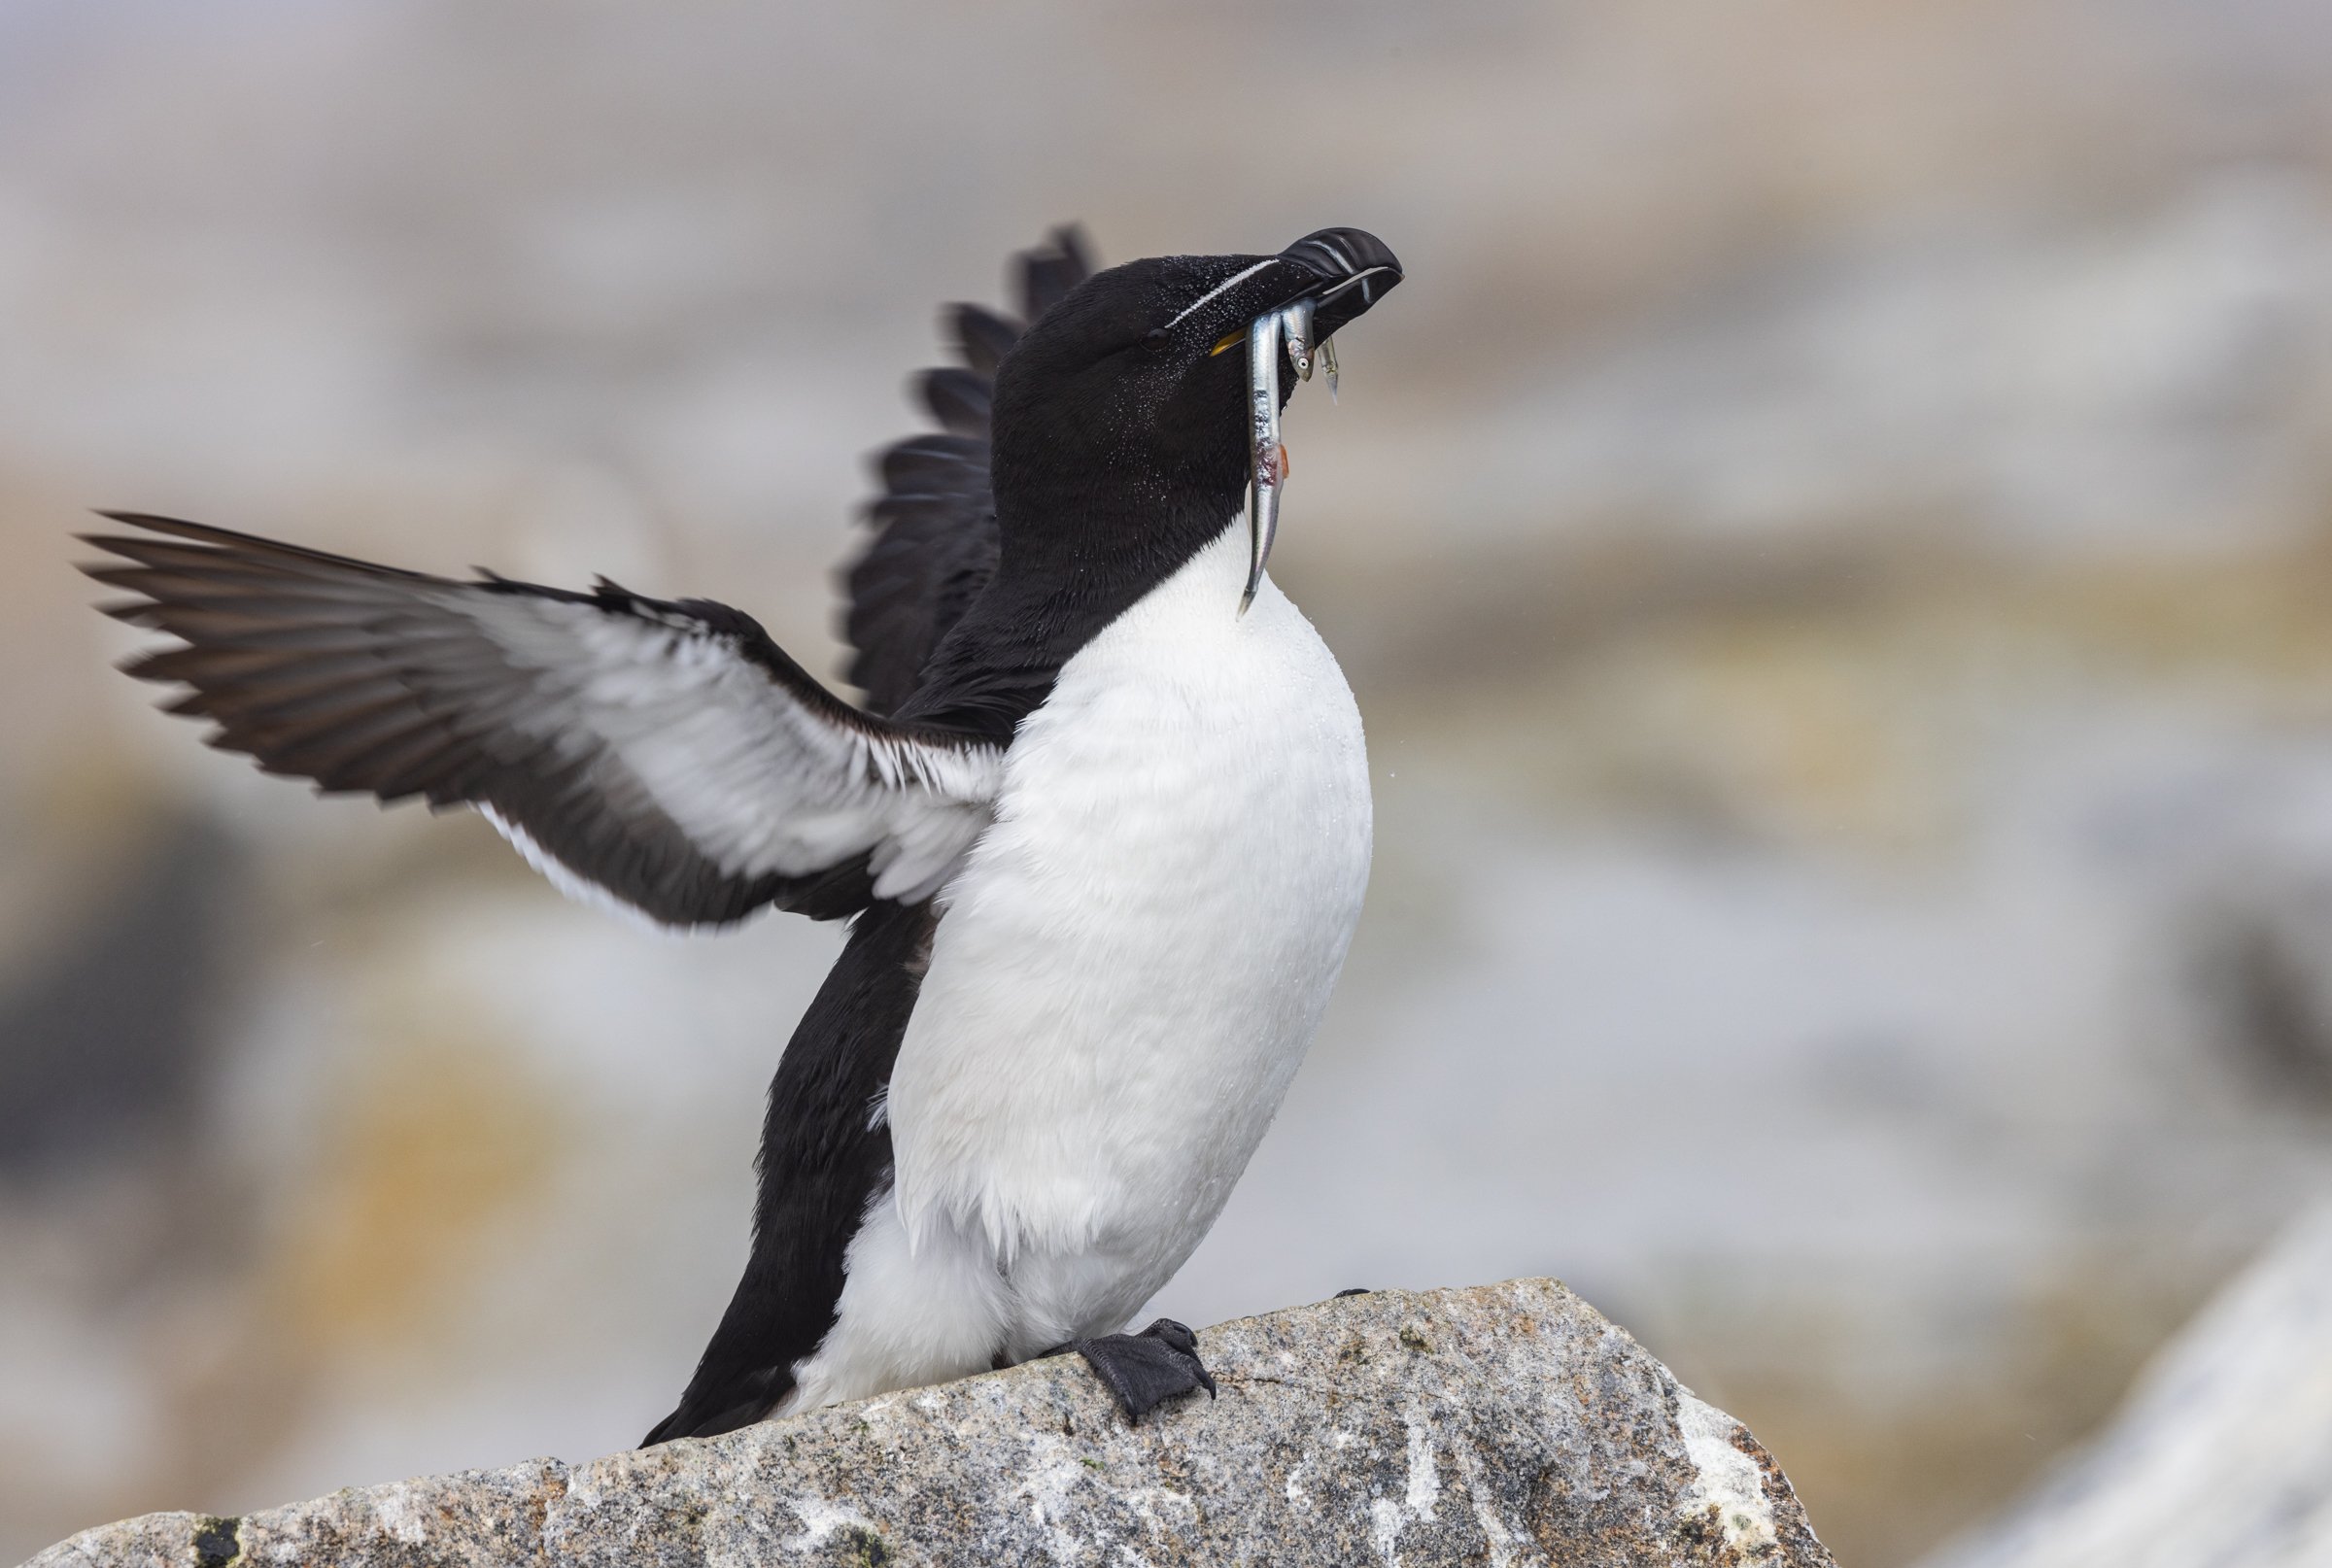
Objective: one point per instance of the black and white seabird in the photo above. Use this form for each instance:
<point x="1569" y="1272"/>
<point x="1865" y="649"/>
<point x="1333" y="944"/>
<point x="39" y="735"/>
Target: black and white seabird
<point x="1102" y="823"/>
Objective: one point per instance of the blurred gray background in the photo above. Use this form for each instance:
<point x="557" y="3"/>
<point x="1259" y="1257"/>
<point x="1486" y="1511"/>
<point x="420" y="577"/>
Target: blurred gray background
<point x="1833" y="544"/>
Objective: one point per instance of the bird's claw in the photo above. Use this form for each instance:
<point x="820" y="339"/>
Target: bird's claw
<point x="1142" y="1371"/>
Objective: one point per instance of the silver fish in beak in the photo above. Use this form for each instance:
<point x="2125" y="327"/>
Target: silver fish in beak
<point x="1295" y="330"/>
<point x="1350" y="268"/>
<point x="1291" y="327"/>
<point x="1269" y="458"/>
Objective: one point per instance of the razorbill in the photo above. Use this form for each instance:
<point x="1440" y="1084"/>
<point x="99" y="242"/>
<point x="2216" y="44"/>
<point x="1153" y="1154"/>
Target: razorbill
<point x="1101" y="823"/>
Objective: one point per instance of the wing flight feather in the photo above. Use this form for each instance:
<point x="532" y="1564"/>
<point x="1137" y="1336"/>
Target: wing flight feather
<point x="666" y="753"/>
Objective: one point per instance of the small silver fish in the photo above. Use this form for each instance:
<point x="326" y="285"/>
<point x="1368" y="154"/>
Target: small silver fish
<point x="1295" y="326"/>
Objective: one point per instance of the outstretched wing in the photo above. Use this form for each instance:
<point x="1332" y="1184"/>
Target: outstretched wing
<point x="935" y="524"/>
<point x="668" y="754"/>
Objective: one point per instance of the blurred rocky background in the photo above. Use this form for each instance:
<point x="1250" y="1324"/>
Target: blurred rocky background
<point x="1833" y="542"/>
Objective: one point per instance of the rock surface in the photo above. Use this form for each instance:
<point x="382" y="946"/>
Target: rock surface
<point x="1501" y="1424"/>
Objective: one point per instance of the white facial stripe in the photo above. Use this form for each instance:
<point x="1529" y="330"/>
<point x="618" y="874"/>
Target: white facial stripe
<point x="1227" y="283"/>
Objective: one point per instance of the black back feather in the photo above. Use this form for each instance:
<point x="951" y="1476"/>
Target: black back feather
<point x="935" y="540"/>
<point x="823" y="1158"/>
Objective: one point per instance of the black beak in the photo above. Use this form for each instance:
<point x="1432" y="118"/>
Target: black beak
<point x="1351" y="270"/>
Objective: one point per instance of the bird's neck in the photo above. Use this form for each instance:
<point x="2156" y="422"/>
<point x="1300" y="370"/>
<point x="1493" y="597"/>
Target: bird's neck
<point x="1067" y="567"/>
<point x="1098" y="536"/>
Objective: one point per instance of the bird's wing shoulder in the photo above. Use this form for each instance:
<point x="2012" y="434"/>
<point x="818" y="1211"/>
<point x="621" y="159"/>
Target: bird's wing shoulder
<point x="934" y="542"/>
<point x="668" y="754"/>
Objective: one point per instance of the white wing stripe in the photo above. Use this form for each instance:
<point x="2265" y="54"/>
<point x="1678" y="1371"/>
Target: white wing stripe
<point x="760" y="783"/>
<point x="556" y="872"/>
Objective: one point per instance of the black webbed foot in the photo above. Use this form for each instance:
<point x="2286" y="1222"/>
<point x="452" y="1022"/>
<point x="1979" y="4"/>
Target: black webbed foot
<point x="1142" y="1371"/>
<point x="1356" y="1290"/>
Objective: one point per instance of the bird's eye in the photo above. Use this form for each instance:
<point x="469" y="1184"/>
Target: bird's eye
<point x="1154" y="337"/>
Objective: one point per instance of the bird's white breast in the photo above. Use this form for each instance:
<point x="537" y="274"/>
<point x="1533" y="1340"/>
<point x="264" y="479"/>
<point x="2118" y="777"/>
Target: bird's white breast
<point x="1136" y="954"/>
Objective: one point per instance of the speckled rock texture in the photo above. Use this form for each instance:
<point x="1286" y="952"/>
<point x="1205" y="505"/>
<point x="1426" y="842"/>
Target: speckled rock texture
<point x="1502" y="1424"/>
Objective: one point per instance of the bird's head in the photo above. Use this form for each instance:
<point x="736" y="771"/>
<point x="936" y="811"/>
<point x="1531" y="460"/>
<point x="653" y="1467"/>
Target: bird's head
<point x="1131" y="419"/>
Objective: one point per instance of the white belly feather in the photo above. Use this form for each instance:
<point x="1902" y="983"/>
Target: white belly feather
<point x="1131" y="963"/>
